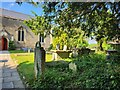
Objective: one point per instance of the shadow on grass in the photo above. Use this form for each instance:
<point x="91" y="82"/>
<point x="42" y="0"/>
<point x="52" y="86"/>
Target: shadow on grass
<point x="26" y="71"/>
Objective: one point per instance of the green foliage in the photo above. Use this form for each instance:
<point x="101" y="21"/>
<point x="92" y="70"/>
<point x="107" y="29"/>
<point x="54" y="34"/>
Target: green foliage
<point x="95" y="19"/>
<point x="17" y="51"/>
<point x="39" y="25"/>
<point x="99" y="74"/>
<point x="106" y="46"/>
<point x="92" y="46"/>
<point x="93" y="71"/>
<point x="62" y="40"/>
<point x="12" y="45"/>
<point x="25" y="63"/>
<point x="55" y="42"/>
<point x="50" y="47"/>
<point x="78" y="39"/>
<point x="82" y="43"/>
<point x="51" y="79"/>
<point x="69" y="15"/>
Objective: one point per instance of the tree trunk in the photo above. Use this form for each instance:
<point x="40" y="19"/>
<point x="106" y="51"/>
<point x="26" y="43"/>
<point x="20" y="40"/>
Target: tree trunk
<point x="100" y="42"/>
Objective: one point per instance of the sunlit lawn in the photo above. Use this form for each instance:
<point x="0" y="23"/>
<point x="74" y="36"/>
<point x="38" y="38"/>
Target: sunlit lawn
<point x="25" y="63"/>
<point x="88" y="67"/>
<point x="17" y="51"/>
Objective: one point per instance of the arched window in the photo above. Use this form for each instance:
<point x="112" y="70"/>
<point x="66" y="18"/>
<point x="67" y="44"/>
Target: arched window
<point x="41" y="38"/>
<point x="20" y="34"/>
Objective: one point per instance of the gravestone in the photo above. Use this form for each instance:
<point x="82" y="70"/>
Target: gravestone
<point x="73" y="67"/>
<point x="28" y="50"/>
<point x="65" y="48"/>
<point x="114" y="53"/>
<point x="58" y="47"/>
<point x="39" y="60"/>
<point x="74" y="52"/>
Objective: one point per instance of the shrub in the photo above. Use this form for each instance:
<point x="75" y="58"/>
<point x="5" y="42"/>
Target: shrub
<point x="12" y="45"/>
<point x="103" y="75"/>
<point x="50" y="47"/>
<point x="93" y="71"/>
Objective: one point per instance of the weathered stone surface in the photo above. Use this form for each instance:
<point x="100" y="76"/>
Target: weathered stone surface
<point x="18" y="84"/>
<point x="1" y="64"/>
<point x="9" y="70"/>
<point x="0" y="86"/>
<point x="6" y="74"/>
<point x="9" y="79"/>
<point x="8" y="85"/>
<point x="15" y="74"/>
<point x="73" y="67"/>
<point x="12" y="26"/>
<point x="39" y="59"/>
<point x="1" y="80"/>
<point x="0" y="73"/>
<point x="9" y="75"/>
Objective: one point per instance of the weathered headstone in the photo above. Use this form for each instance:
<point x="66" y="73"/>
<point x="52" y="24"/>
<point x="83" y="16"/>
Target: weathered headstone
<point x="39" y="59"/>
<point x="74" y="52"/>
<point x="65" y="48"/>
<point x="58" y="47"/>
<point x="73" y="67"/>
<point x="28" y="50"/>
<point x="54" y="56"/>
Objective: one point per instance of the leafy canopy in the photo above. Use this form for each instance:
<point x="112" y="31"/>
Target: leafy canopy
<point x="38" y="25"/>
<point x="101" y="19"/>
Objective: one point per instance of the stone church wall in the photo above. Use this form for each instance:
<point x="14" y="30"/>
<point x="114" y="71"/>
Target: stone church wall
<point x="12" y="25"/>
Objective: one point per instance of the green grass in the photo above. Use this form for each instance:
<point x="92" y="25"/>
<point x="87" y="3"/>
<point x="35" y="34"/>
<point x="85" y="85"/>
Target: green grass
<point x="92" y="71"/>
<point x="92" y="46"/>
<point x="25" y="63"/>
<point x="17" y="51"/>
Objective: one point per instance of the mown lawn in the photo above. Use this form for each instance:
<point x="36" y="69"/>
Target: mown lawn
<point x="17" y="51"/>
<point x="25" y="63"/>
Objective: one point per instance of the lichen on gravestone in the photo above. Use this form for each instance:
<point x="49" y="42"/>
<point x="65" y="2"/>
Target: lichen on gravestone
<point x="73" y="67"/>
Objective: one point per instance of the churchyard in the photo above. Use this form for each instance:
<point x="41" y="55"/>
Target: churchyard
<point x="91" y="70"/>
<point x="71" y="61"/>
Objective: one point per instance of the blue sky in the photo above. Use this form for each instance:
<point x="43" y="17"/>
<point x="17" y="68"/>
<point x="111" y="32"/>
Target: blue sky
<point x="24" y="8"/>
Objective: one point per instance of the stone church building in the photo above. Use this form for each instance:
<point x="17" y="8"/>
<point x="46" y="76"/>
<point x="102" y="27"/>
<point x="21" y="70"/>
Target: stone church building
<point x="13" y="29"/>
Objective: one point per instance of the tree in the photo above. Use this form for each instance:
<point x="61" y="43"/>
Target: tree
<point x="39" y="24"/>
<point x="77" y="39"/>
<point x="100" y="19"/>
